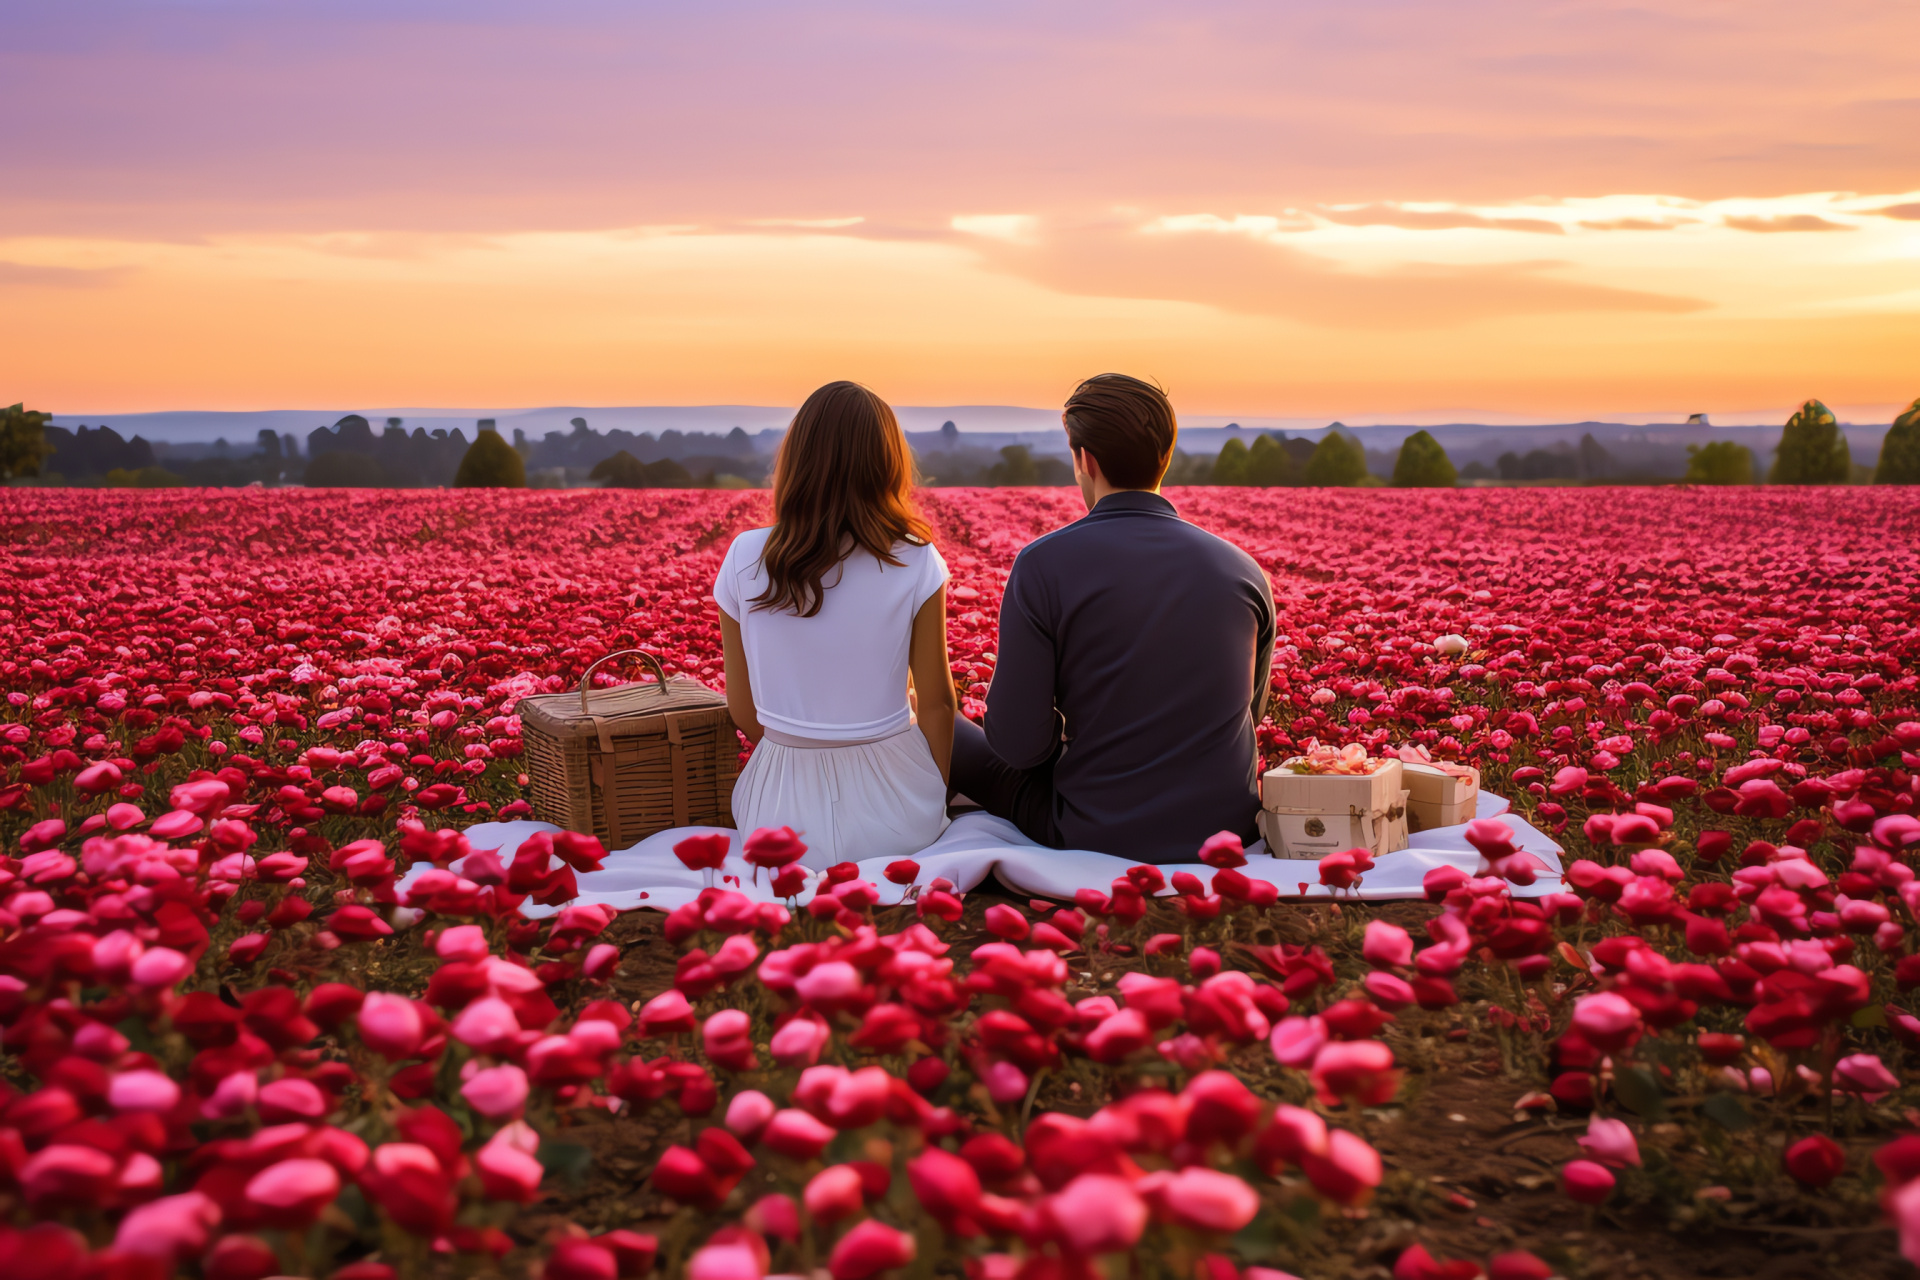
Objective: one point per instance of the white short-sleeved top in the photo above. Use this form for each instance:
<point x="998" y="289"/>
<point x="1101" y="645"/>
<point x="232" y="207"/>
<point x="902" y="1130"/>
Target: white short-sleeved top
<point x="841" y="675"/>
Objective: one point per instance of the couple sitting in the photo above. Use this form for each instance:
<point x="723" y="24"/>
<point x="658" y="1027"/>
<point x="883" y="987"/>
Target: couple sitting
<point x="1131" y="669"/>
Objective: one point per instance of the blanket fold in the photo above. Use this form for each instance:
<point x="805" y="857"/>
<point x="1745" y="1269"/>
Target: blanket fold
<point x="975" y="846"/>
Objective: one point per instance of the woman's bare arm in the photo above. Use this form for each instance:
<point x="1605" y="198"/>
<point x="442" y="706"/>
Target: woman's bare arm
<point x="739" y="688"/>
<point x="932" y="679"/>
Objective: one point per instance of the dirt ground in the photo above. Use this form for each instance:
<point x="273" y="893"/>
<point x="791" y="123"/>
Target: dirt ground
<point x="1467" y="1174"/>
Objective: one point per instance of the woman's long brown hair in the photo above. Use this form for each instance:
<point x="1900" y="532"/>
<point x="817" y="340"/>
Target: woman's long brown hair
<point x="842" y="483"/>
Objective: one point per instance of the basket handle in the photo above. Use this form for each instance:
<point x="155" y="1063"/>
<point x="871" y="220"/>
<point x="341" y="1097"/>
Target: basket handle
<point x="586" y="680"/>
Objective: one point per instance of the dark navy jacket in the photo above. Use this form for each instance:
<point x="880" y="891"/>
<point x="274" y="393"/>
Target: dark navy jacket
<point x="1151" y="638"/>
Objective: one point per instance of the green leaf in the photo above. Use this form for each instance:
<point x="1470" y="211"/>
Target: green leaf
<point x="1639" y="1092"/>
<point x="1727" y="1111"/>
<point x="352" y="1203"/>
<point x="1872" y="1016"/>
<point x="568" y="1160"/>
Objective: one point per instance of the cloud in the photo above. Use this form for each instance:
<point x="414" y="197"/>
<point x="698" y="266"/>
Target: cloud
<point x="29" y="276"/>
<point x="1788" y="222"/>
<point x="1904" y="212"/>
<point x="1637" y="224"/>
<point x="996" y="226"/>
<point x="806" y="224"/>
<point x="1255" y="277"/>
<point x="1387" y="215"/>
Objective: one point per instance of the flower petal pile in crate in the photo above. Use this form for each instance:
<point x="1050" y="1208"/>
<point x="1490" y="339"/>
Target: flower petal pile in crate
<point x="232" y="719"/>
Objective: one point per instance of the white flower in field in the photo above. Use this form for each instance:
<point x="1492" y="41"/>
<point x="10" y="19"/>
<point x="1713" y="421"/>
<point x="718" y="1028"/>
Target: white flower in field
<point x="1452" y="646"/>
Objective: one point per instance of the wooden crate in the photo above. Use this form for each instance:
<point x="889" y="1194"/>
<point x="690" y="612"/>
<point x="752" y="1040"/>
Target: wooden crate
<point x="1282" y="789"/>
<point x="1309" y="815"/>
<point x="625" y="762"/>
<point x="1440" y="799"/>
<point x="1312" y="834"/>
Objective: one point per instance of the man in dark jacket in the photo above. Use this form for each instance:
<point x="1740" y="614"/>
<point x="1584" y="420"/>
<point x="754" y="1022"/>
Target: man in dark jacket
<point x="1133" y="659"/>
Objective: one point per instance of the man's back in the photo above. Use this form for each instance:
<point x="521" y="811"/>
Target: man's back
<point x="1153" y="638"/>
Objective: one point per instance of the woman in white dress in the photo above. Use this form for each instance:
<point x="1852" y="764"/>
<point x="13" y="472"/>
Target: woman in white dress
<point x="834" y="622"/>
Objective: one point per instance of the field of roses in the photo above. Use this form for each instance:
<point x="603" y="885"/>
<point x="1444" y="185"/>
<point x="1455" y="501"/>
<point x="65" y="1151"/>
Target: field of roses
<point x="233" y="1048"/>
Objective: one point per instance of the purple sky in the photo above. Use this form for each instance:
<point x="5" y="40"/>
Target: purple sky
<point x="184" y="118"/>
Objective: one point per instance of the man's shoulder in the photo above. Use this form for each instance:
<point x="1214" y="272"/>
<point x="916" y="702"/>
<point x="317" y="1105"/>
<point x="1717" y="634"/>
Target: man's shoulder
<point x="1050" y="544"/>
<point x="1228" y="553"/>
<point x="1092" y="551"/>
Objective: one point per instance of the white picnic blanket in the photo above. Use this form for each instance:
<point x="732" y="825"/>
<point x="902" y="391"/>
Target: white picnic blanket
<point x="975" y="846"/>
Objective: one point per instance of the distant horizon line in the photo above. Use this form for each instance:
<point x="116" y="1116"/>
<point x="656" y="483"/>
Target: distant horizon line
<point x="1847" y="415"/>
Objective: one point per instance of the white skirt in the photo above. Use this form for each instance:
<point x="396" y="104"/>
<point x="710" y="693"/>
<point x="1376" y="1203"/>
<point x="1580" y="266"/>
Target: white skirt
<point x="879" y="799"/>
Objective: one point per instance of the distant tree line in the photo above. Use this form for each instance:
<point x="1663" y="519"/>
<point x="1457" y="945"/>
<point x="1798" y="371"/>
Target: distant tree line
<point x="1273" y="460"/>
<point x="1013" y="466"/>
<point x="696" y="453"/>
<point x="1812" y="450"/>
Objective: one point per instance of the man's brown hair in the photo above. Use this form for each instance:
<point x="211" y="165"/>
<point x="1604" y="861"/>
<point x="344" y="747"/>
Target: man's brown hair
<point x="1126" y="424"/>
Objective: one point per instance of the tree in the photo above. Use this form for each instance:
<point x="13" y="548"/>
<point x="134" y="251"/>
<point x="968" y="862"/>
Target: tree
<point x="342" y="470"/>
<point x="1016" y="467"/>
<point x="1338" y="462"/>
<point x="1813" y="449"/>
<point x="624" y="471"/>
<point x="1721" y="462"/>
<point x="1595" y="462"/>
<point x="1269" y="463"/>
<point x="267" y="445"/>
<point x="1231" y="466"/>
<point x="1423" y="464"/>
<point x="23" y="441"/>
<point x="668" y="474"/>
<point x="621" y="471"/>
<point x="1900" y="451"/>
<point x="491" y="463"/>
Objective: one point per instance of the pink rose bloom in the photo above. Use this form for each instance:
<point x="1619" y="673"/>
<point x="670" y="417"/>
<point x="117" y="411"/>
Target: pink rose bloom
<point x="497" y="1091"/>
<point x="1098" y="1213"/>
<point x="1387" y="945"/>
<point x="487" y="1024"/>
<point x="1610" y="1142"/>
<point x="142" y="1091"/>
<point x="1296" y="1041"/>
<point x="1207" y="1200"/>
<point x="1864" y="1074"/>
<point x="798" y="1044"/>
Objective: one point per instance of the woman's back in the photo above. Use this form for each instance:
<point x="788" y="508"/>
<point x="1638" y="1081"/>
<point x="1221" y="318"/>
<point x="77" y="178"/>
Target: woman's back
<point x="841" y="675"/>
<point x="825" y="617"/>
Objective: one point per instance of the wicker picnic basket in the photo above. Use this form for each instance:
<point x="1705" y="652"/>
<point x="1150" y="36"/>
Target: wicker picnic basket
<point x="626" y="762"/>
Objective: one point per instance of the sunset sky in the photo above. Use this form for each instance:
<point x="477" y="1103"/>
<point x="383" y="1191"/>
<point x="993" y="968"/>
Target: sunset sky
<point x="1324" y="207"/>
